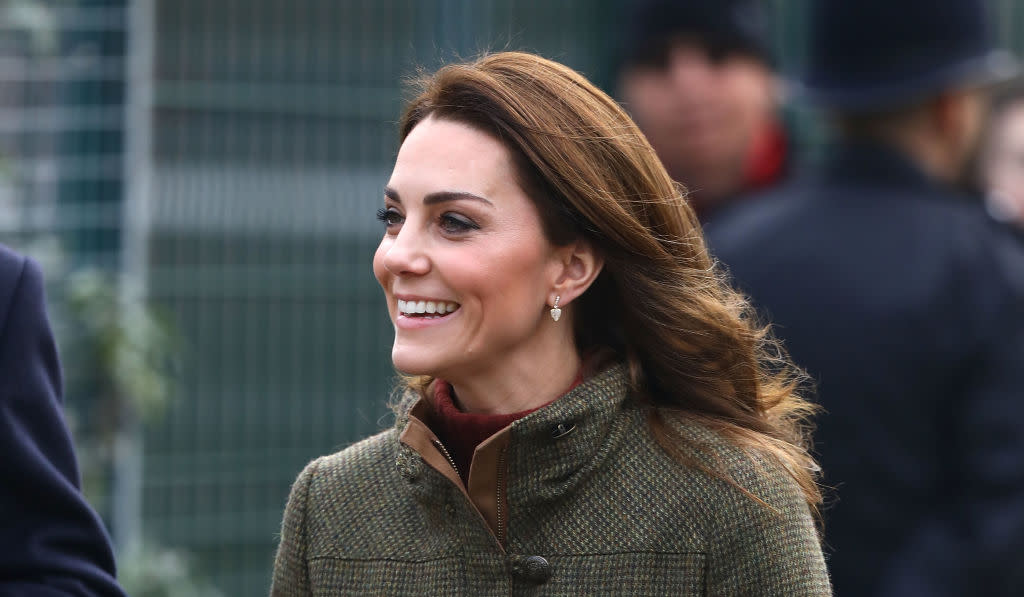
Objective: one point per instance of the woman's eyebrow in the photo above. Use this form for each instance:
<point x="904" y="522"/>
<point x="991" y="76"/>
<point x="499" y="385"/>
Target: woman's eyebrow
<point x="438" y="196"/>
<point x="442" y="196"/>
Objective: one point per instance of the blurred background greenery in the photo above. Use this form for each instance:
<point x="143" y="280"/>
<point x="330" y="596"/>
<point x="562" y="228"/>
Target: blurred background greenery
<point x="199" y="179"/>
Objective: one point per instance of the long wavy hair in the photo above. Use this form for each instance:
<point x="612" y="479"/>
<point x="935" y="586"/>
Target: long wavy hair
<point x="692" y="344"/>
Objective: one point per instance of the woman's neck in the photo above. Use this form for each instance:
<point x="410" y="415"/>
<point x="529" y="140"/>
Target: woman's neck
<point x="520" y="384"/>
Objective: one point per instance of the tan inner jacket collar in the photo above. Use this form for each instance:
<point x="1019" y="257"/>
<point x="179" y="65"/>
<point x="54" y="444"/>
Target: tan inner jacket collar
<point x="564" y="435"/>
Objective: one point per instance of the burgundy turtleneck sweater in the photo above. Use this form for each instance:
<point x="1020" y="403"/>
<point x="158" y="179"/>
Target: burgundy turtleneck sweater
<point x="462" y="432"/>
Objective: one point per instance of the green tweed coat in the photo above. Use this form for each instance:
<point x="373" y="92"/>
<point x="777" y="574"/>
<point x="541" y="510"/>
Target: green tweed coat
<point x="602" y="510"/>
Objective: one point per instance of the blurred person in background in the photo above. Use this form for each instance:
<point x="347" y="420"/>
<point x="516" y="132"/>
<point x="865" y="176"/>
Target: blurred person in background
<point x="51" y="541"/>
<point x="589" y="409"/>
<point x="904" y="299"/>
<point x="1000" y="167"/>
<point x="697" y="77"/>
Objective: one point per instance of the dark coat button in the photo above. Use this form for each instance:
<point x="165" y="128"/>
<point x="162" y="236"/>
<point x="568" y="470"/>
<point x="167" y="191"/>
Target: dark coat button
<point x="562" y="429"/>
<point x="537" y="569"/>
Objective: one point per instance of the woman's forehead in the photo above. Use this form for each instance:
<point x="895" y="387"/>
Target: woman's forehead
<point x="444" y="154"/>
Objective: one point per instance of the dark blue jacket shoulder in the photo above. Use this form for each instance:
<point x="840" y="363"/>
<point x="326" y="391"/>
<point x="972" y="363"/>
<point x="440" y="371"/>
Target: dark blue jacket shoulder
<point x="51" y="542"/>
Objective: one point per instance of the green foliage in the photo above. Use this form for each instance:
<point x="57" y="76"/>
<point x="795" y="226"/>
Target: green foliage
<point x="154" y="572"/>
<point x="121" y="348"/>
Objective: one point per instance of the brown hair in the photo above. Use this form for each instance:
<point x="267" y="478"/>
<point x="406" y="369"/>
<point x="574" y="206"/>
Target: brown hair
<point x="691" y="343"/>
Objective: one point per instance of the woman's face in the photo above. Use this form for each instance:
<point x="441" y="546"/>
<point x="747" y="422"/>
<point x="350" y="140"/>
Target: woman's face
<point x="464" y="263"/>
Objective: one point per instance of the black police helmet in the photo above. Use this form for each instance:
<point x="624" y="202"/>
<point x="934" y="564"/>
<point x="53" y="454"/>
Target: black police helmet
<point x="867" y="55"/>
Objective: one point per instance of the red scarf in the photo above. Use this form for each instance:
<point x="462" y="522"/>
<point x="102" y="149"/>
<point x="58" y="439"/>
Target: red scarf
<point x="767" y="158"/>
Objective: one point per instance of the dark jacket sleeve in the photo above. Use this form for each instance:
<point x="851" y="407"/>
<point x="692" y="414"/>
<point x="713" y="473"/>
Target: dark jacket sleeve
<point x="51" y="542"/>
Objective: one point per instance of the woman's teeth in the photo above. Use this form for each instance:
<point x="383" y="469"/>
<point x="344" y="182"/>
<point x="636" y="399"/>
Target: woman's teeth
<point x="437" y="308"/>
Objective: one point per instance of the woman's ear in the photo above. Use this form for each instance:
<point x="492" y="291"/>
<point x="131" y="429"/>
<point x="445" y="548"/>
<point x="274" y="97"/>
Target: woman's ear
<point x="580" y="264"/>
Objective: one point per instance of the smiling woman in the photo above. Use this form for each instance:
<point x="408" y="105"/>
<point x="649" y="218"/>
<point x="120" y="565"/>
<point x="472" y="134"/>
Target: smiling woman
<point x="587" y="404"/>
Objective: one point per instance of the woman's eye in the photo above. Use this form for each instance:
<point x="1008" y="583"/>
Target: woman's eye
<point x="389" y="216"/>
<point x="454" y="223"/>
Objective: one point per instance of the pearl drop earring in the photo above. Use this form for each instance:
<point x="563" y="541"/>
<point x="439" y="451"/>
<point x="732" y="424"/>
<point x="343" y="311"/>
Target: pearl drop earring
<point x="555" y="311"/>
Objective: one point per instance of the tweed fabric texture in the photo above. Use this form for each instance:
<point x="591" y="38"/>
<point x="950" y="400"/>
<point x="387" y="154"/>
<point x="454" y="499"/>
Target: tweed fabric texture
<point x="607" y="511"/>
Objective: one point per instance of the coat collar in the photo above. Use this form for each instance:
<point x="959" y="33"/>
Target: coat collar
<point x="596" y="398"/>
<point x="557" y="447"/>
<point x="538" y="458"/>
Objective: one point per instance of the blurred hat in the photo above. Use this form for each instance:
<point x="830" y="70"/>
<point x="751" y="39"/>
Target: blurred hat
<point x="725" y="25"/>
<point x="866" y="55"/>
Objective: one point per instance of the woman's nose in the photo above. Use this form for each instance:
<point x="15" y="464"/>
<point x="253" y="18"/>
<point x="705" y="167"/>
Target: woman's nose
<point x="406" y="254"/>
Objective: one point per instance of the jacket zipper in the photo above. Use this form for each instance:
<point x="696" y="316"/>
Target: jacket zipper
<point x="500" y="490"/>
<point x="447" y="456"/>
<point x="500" y="501"/>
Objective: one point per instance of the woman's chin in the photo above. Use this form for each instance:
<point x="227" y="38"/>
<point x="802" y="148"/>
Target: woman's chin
<point x="412" y="364"/>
